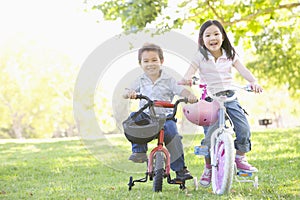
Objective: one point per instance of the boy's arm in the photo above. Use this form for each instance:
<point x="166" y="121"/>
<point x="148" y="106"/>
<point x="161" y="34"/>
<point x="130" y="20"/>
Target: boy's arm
<point x="132" y="91"/>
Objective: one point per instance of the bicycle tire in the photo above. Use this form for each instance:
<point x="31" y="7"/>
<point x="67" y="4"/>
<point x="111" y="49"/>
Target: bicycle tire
<point x="222" y="172"/>
<point x="158" y="171"/>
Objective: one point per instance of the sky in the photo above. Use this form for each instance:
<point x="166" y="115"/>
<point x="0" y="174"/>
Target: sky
<point x="66" y="26"/>
<point x="58" y="24"/>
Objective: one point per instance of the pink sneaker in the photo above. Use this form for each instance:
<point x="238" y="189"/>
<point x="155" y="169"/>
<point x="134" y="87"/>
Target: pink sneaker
<point x="205" y="178"/>
<point x="243" y="165"/>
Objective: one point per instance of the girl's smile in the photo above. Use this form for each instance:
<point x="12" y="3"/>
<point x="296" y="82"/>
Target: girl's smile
<point x="213" y="40"/>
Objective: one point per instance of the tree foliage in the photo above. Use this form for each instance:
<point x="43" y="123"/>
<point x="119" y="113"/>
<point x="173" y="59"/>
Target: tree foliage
<point x="269" y="30"/>
<point x="36" y="90"/>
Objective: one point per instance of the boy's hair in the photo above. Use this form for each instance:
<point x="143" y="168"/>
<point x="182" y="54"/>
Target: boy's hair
<point x="150" y="47"/>
<point x="230" y="51"/>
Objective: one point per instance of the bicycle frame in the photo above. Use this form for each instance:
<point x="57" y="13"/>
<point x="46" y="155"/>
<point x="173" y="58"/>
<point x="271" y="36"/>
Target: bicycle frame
<point x="159" y="147"/>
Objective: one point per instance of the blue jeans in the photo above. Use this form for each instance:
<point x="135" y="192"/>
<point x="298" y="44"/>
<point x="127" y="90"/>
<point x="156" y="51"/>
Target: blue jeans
<point x="241" y="127"/>
<point x="172" y="140"/>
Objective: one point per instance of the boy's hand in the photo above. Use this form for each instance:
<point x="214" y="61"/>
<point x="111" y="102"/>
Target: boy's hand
<point x="131" y="94"/>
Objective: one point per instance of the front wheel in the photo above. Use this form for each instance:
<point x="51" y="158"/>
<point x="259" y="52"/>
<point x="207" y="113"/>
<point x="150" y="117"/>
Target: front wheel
<point x="223" y="163"/>
<point x="158" y="171"/>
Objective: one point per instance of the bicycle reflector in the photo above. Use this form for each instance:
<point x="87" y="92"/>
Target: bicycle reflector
<point x="202" y="113"/>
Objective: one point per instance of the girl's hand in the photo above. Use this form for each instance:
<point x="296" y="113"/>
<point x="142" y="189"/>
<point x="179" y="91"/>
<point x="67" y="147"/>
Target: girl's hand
<point x="192" y="98"/>
<point x="255" y="87"/>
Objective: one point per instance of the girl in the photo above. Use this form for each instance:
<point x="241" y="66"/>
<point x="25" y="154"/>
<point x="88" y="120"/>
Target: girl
<point x="214" y="60"/>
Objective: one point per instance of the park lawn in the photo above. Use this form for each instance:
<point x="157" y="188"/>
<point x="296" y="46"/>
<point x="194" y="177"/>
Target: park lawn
<point x="71" y="169"/>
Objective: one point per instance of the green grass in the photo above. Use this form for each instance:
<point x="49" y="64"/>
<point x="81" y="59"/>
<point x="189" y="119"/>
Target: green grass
<point x="65" y="169"/>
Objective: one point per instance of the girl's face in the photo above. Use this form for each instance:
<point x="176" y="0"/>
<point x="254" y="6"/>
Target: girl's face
<point x="151" y="63"/>
<point x="213" y="39"/>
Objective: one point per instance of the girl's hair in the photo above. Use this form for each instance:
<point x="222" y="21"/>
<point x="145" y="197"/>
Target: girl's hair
<point x="150" y="47"/>
<point x="230" y="52"/>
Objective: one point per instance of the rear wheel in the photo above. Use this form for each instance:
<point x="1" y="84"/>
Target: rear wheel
<point x="223" y="169"/>
<point x="159" y="171"/>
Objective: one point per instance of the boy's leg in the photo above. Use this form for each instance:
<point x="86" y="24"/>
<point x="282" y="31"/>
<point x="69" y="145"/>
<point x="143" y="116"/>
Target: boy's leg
<point x="139" y="150"/>
<point x="138" y="153"/>
<point x="173" y="143"/>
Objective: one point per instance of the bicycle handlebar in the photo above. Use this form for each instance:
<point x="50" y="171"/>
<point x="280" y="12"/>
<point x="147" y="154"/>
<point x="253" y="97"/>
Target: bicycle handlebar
<point x="195" y="81"/>
<point x="158" y="103"/>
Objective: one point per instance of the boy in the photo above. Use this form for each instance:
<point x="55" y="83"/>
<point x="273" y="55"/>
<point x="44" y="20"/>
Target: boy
<point x="158" y="85"/>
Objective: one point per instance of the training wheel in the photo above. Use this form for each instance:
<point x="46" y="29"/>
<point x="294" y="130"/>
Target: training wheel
<point x="255" y="183"/>
<point x="130" y="184"/>
<point x="196" y="183"/>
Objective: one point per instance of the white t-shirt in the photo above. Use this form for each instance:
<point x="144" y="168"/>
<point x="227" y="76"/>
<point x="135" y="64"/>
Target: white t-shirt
<point x="164" y="89"/>
<point x="216" y="74"/>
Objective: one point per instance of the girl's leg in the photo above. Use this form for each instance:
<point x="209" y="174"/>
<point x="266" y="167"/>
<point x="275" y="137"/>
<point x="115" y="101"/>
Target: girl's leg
<point x="242" y="142"/>
<point x="205" y="179"/>
<point x="236" y="113"/>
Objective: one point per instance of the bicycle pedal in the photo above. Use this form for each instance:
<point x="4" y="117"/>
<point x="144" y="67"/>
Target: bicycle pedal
<point x="201" y="150"/>
<point x="244" y="174"/>
<point x="178" y="181"/>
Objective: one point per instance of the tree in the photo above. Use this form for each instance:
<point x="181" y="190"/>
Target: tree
<point x="268" y="30"/>
<point x="36" y="90"/>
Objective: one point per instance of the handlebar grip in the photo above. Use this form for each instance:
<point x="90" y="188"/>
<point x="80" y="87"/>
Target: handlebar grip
<point x="185" y="100"/>
<point x="248" y="88"/>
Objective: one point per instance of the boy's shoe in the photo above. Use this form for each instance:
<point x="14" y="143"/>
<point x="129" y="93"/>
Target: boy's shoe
<point x="138" y="157"/>
<point x="184" y="174"/>
<point x="205" y="178"/>
<point x="243" y="165"/>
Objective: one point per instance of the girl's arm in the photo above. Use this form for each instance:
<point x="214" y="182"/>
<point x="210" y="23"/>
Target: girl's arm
<point x="244" y="71"/>
<point x="190" y="96"/>
<point x="189" y="75"/>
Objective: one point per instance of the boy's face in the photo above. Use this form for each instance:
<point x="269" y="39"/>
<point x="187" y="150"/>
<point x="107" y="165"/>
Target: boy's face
<point x="151" y="63"/>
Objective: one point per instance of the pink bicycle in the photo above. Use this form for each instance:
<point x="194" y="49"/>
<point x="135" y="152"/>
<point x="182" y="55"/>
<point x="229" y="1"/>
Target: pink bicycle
<point x="222" y="149"/>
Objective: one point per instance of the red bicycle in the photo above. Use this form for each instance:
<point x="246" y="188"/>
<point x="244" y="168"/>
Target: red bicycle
<point x="144" y="131"/>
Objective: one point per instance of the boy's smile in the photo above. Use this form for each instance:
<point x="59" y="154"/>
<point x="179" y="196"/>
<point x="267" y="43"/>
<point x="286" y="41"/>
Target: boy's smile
<point x="151" y="64"/>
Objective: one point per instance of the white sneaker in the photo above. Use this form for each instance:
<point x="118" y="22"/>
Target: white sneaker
<point x="205" y="178"/>
<point x="243" y="165"/>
